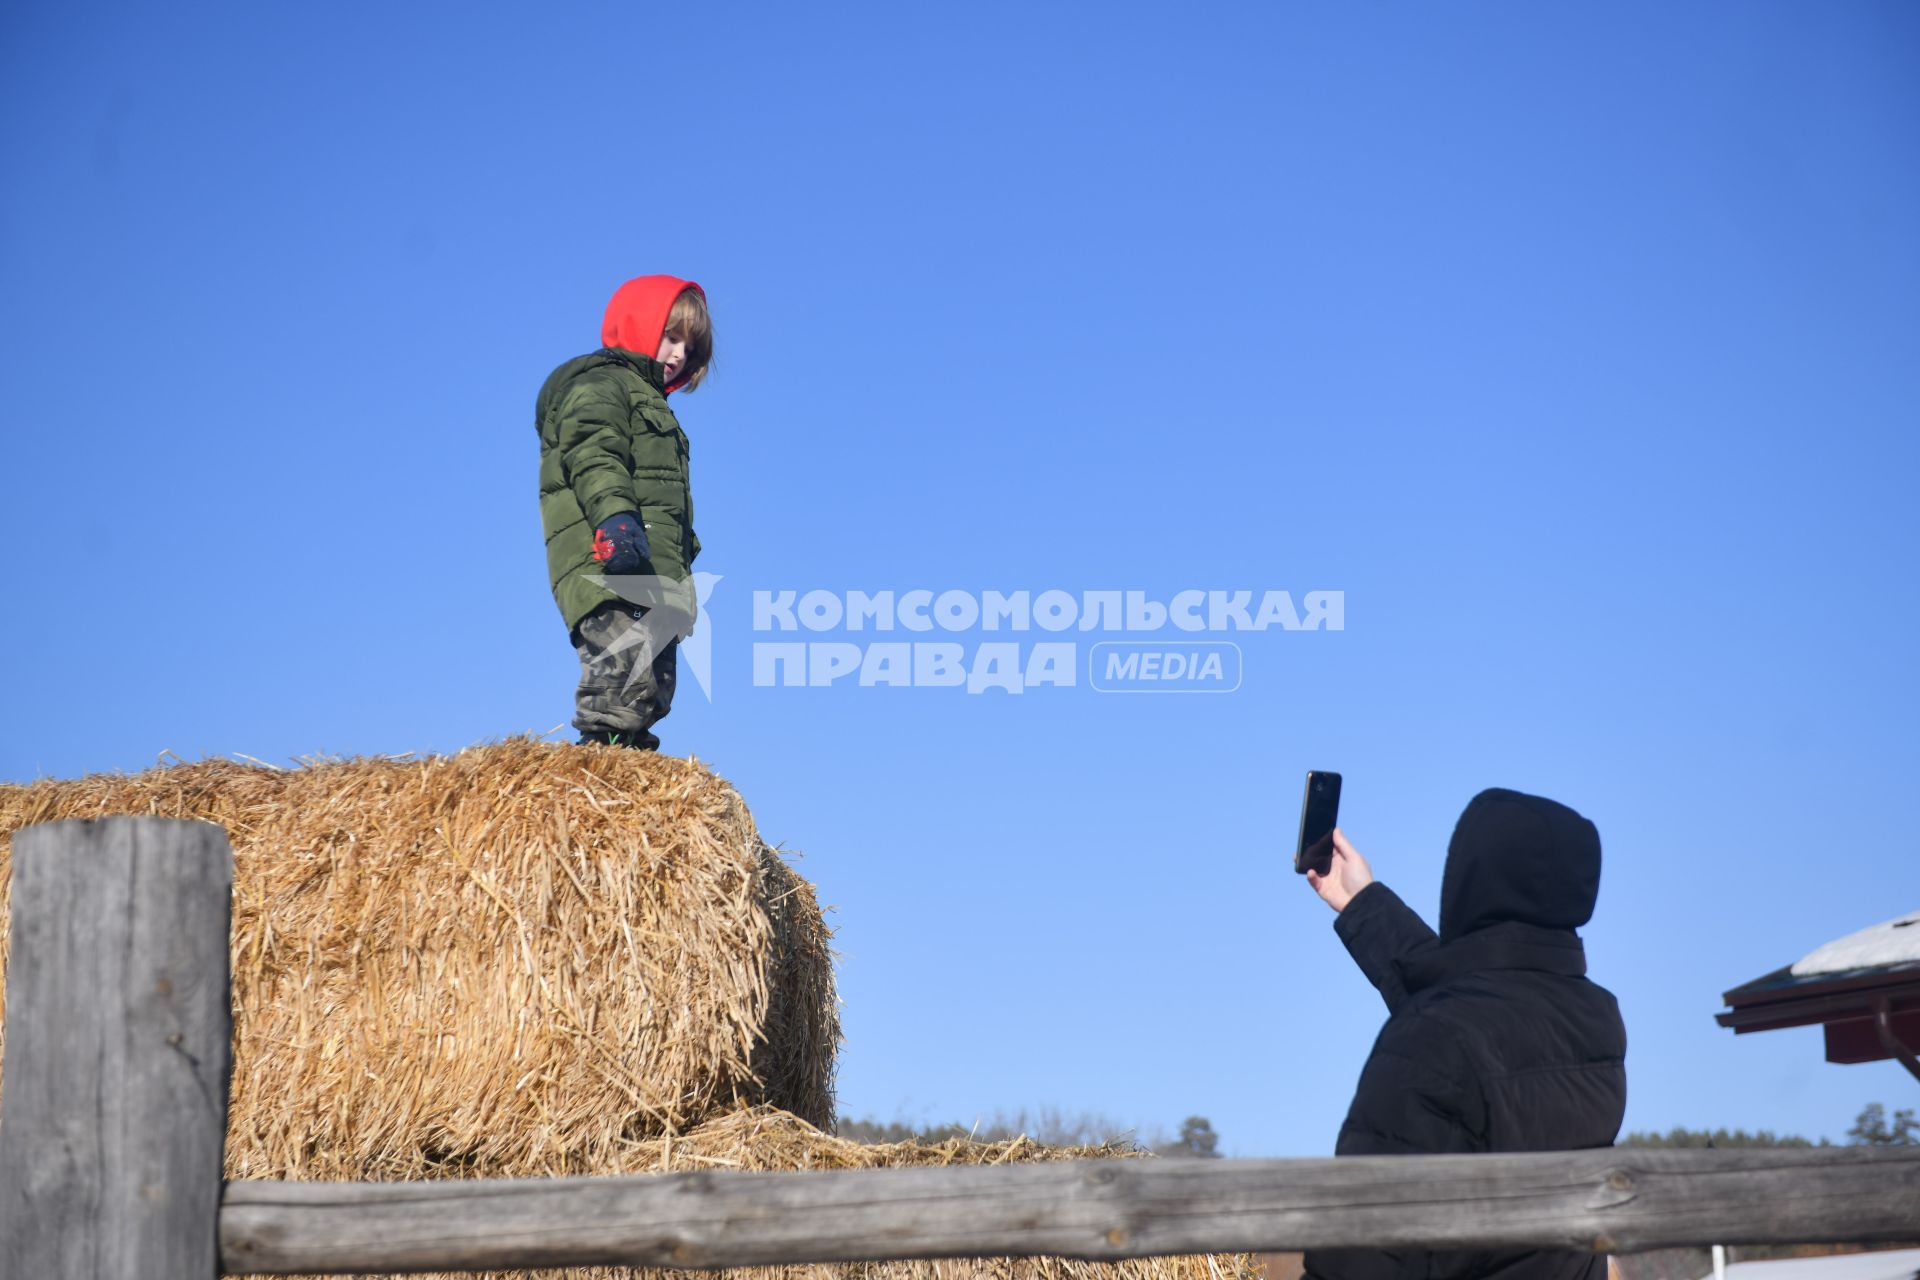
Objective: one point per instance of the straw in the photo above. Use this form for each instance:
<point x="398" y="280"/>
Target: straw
<point x="517" y="959"/>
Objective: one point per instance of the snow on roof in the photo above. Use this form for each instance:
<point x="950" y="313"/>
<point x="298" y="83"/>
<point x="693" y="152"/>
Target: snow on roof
<point x="1895" y="941"/>
<point x="1890" y="1264"/>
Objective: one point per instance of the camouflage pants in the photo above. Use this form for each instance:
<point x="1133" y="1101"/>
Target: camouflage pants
<point x="626" y="674"/>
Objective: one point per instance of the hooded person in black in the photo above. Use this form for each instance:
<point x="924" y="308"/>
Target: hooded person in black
<point x="1495" y="1039"/>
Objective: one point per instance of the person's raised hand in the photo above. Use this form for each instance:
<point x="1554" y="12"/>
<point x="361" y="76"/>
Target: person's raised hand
<point x="1347" y="874"/>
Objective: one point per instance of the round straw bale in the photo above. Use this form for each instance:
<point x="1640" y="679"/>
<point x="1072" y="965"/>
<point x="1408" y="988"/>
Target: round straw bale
<point x="520" y="959"/>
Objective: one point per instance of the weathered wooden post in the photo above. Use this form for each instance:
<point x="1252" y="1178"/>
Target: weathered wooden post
<point x="113" y="1103"/>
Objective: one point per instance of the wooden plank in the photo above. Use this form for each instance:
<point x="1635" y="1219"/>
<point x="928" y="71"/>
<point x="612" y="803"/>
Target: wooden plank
<point x="1608" y="1200"/>
<point x="113" y="1108"/>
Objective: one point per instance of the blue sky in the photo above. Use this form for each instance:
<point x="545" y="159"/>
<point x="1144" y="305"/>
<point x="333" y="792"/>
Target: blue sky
<point x="1573" y="344"/>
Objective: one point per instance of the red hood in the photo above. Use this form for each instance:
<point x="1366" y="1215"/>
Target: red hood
<point x="637" y="315"/>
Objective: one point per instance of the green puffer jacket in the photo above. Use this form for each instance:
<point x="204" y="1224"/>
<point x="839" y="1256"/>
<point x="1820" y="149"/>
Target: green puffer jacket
<point x="609" y="443"/>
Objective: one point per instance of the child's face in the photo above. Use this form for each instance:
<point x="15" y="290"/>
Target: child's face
<point x="672" y="355"/>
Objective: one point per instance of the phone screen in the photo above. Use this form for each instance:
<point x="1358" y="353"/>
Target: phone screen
<point x="1319" y="814"/>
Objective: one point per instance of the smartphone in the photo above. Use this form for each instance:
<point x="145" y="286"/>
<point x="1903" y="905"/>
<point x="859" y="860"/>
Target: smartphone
<point x="1319" y="814"/>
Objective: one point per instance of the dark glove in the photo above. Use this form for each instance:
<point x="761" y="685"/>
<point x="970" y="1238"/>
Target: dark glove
<point x="620" y="545"/>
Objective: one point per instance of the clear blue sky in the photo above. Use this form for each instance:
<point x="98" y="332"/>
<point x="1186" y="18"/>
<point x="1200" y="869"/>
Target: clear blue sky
<point x="1575" y="344"/>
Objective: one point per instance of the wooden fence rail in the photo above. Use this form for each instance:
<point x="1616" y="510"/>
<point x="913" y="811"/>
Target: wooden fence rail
<point x="113" y="1113"/>
<point x="1606" y="1201"/>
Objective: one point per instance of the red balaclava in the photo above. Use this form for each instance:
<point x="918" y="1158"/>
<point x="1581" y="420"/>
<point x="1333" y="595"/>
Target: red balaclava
<point x="637" y="316"/>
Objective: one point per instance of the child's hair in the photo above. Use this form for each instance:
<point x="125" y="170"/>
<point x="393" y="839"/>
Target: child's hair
<point x="689" y="323"/>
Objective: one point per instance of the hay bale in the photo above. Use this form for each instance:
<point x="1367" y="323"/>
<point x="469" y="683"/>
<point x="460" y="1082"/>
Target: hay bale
<point x="522" y="959"/>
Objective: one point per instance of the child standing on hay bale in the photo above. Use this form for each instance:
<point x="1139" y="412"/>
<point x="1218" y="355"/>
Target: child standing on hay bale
<point x="617" y="507"/>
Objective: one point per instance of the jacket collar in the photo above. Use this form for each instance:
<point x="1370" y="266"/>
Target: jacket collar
<point x="646" y="366"/>
<point x="1507" y="945"/>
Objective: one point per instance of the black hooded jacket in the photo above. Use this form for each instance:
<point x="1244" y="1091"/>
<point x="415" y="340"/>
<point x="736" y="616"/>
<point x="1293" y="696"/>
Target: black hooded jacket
<point x="1495" y="1040"/>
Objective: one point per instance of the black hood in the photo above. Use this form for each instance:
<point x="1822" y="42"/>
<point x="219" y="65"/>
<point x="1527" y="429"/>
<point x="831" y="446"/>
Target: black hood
<point x="1516" y="857"/>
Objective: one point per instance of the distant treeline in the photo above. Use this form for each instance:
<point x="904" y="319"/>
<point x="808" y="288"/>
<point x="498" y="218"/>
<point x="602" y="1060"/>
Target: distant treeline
<point x="1048" y="1125"/>
<point x="1871" y="1128"/>
<point x="1056" y="1128"/>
